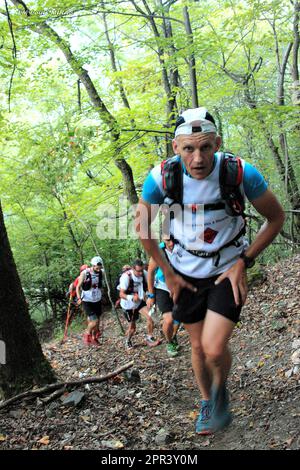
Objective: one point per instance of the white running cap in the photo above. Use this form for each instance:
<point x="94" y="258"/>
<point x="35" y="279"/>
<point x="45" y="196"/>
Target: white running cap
<point x="195" y="120"/>
<point x="96" y="260"/>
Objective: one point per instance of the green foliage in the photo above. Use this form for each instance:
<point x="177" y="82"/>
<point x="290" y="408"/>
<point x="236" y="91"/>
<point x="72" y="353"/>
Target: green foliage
<point x="57" y="159"/>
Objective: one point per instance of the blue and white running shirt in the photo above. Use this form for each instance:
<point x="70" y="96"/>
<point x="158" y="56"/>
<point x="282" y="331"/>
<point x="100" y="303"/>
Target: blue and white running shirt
<point x="159" y="281"/>
<point x="217" y="229"/>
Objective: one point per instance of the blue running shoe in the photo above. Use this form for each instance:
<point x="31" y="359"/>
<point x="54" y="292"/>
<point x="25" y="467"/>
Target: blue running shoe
<point x="203" y="424"/>
<point x="221" y="416"/>
<point x="175" y="342"/>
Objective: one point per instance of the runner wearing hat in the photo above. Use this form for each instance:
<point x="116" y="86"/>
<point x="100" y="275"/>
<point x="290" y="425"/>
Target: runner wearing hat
<point x="89" y="294"/>
<point x="206" y="274"/>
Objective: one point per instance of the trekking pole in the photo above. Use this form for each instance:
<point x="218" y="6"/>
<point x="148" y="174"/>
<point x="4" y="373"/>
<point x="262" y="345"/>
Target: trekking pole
<point x="101" y="330"/>
<point x="67" y="320"/>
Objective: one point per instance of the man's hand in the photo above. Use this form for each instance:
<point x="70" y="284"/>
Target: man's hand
<point x="136" y="297"/>
<point x="150" y="303"/>
<point x="238" y="277"/>
<point x="176" y="283"/>
<point x="79" y="301"/>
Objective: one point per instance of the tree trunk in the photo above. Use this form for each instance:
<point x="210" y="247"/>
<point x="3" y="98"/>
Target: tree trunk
<point x="24" y="362"/>
<point x="295" y="63"/>
<point x="172" y="108"/>
<point x="191" y="59"/>
<point x="128" y="181"/>
<point x="45" y="30"/>
<point x="113" y="60"/>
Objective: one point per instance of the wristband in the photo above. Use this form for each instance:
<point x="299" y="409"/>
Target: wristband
<point x="249" y="262"/>
<point x="150" y="296"/>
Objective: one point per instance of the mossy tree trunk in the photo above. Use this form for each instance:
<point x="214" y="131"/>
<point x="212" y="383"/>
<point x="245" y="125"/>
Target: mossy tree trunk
<point x="22" y="363"/>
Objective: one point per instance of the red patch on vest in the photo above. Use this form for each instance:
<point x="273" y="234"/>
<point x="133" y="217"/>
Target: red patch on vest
<point x="209" y="235"/>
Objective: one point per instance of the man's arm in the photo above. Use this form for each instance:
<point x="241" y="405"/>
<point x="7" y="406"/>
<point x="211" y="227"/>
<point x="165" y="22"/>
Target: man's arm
<point x="150" y="281"/>
<point x="269" y="207"/>
<point x="78" y="288"/>
<point x="151" y="275"/>
<point x="134" y="296"/>
<point x="143" y="227"/>
<point x="123" y="294"/>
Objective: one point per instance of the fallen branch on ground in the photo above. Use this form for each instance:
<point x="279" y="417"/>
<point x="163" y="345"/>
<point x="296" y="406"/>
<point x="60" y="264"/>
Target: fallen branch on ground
<point x="58" y="385"/>
<point x="53" y="396"/>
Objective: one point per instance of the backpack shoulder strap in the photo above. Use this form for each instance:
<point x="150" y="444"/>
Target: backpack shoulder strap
<point x="230" y="179"/>
<point x="87" y="274"/>
<point x="100" y="277"/>
<point x="164" y="250"/>
<point x="145" y="283"/>
<point x="131" y="283"/>
<point x="128" y="274"/>
<point x="87" y="280"/>
<point x="172" y="180"/>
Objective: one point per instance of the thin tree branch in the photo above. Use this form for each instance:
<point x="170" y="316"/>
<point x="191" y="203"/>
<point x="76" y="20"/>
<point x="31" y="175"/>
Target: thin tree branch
<point x="59" y="385"/>
<point x="14" y="54"/>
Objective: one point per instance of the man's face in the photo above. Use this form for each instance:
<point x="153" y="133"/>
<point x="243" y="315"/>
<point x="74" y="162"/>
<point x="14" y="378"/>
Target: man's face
<point x="97" y="267"/>
<point x="197" y="152"/>
<point x="138" y="271"/>
<point x="169" y="243"/>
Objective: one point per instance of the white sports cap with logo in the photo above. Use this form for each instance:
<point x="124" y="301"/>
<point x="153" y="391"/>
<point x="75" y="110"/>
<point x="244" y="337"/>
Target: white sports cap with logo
<point x="96" y="260"/>
<point x="195" y="120"/>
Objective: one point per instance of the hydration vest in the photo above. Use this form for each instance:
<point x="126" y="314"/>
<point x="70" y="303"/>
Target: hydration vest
<point x="87" y="283"/>
<point x="230" y="178"/>
<point x="117" y="281"/>
<point x="233" y="201"/>
<point x="130" y="287"/>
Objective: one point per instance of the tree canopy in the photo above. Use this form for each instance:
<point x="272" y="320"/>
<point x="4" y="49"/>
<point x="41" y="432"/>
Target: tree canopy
<point x="90" y="92"/>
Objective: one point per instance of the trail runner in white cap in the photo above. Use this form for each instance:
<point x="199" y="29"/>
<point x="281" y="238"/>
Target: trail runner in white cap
<point x="206" y="275"/>
<point x="89" y="293"/>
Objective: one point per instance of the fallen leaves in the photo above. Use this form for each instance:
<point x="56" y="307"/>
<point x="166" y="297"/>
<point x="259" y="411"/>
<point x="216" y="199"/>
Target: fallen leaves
<point x="128" y="412"/>
<point x="112" y="444"/>
<point x="289" y="441"/>
<point x="44" y="440"/>
<point x="193" y="415"/>
<point x="205" y="443"/>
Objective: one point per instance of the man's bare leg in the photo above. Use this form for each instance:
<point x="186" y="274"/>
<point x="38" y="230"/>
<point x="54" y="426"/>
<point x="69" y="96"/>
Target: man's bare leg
<point x="201" y="372"/>
<point x="150" y="324"/>
<point x="216" y="333"/>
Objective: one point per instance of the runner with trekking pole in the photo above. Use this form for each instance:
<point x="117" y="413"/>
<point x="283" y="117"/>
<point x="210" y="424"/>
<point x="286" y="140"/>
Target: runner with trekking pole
<point x="72" y="303"/>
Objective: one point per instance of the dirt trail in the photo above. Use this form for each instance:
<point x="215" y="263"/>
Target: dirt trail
<point x="159" y="411"/>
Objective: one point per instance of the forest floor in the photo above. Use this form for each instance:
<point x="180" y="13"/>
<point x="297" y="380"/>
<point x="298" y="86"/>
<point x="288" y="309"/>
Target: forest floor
<point x="159" y="411"/>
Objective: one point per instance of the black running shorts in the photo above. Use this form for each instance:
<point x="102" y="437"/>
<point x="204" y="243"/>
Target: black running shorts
<point x="163" y="301"/>
<point x="93" y="310"/>
<point x="133" y="314"/>
<point x="192" y="306"/>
